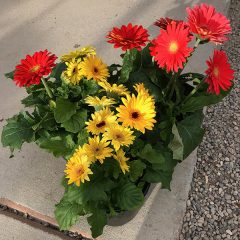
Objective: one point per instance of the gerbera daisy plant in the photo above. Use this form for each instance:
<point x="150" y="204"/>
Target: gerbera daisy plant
<point x="121" y="127"/>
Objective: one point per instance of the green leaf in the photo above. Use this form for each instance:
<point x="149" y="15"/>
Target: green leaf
<point x="176" y="145"/>
<point x="128" y="64"/>
<point x="57" y="70"/>
<point x="89" y="87"/>
<point x="97" y="221"/>
<point x="67" y="214"/>
<point x="64" y="110"/>
<point x="10" y="75"/>
<point x="198" y="102"/>
<point x="129" y="197"/>
<point x="33" y="99"/>
<point x="136" y="169"/>
<point x="61" y="145"/>
<point x="151" y="155"/>
<point x="111" y="167"/>
<point x="17" y="131"/>
<point x="156" y="176"/>
<point x="76" y="122"/>
<point x="82" y="136"/>
<point x="191" y="132"/>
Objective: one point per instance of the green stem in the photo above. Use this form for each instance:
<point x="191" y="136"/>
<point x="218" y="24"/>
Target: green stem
<point x="47" y="88"/>
<point x="194" y="91"/>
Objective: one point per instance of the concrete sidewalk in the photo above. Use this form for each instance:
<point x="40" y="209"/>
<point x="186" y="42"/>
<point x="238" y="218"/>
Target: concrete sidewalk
<point x="32" y="177"/>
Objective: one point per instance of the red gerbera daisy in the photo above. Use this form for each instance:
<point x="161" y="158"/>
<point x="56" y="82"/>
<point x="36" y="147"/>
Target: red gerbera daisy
<point x="128" y="37"/>
<point x="208" y="24"/>
<point x="33" y="68"/>
<point x="163" y="22"/>
<point x="219" y="72"/>
<point x="170" y="48"/>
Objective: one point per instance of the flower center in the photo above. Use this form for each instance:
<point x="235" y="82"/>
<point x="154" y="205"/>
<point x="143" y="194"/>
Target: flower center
<point x="101" y="124"/>
<point x="173" y="47"/>
<point x="135" y="115"/>
<point x="74" y="70"/>
<point x="204" y="31"/>
<point x="216" y="71"/>
<point x="95" y="70"/>
<point x="119" y="136"/>
<point x="35" y="68"/>
<point x="80" y="171"/>
<point x="97" y="149"/>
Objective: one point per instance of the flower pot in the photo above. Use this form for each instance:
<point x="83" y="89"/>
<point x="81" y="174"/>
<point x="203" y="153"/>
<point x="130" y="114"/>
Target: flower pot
<point x="126" y="216"/>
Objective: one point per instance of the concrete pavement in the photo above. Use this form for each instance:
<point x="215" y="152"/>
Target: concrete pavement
<point x="32" y="177"/>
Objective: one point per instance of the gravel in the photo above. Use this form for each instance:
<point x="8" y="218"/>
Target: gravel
<point x="213" y="205"/>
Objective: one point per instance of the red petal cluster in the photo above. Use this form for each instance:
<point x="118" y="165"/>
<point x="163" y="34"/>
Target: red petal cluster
<point x="33" y="68"/>
<point x="208" y="24"/>
<point x="128" y="37"/>
<point x="163" y="22"/>
<point x="219" y="73"/>
<point x="170" y="48"/>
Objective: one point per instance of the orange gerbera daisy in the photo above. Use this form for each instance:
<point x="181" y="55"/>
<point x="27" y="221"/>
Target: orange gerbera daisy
<point x="33" y="68"/>
<point x="219" y="73"/>
<point x="128" y="37"/>
<point x="208" y="24"/>
<point x="170" y="48"/>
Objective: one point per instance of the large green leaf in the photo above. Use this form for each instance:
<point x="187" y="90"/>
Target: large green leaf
<point x="64" y="110"/>
<point x="136" y="169"/>
<point x="151" y="154"/>
<point x="17" y="131"/>
<point x="82" y="136"/>
<point x="76" y="122"/>
<point x="128" y="64"/>
<point x="176" y="144"/>
<point x="191" y="132"/>
<point x="198" y="102"/>
<point x="156" y="176"/>
<point x="97" y="221"/>
<point x="129" y="197"/>
<point x="89" y="87"/>
<point x="61" y="145"/>
<point x="57" y="70"/>
<point x="94" y="190"/>
<point x="111" y="167"/>
<point x="67" y="214"/>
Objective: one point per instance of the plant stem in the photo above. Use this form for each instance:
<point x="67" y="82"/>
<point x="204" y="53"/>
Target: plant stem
<point x="47" y="88"/>
<point x="194" y="91"/>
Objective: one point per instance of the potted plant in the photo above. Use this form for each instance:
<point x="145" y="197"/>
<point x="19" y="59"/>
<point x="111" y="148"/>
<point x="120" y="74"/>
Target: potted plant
<point x="121" y="127"/>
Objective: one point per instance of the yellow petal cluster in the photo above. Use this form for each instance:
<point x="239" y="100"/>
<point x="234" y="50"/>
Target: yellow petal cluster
<point x="137" y="111"/>
<point x="85" y="51"/>
<point x="120" y="157"/>
<point x="77" y="169"/>
<point x="97" y="149"/>
<point x="120" y="89"/>
<point x="92" y="67"/>
<point x="96" y="101"/>
<point x="101" y="120"/>
<point x="119" y="136"/>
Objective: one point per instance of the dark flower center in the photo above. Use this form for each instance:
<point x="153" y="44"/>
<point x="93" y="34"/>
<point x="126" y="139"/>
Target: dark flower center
<point x="74" y="70"/>
<point x="101" y="124"/>
<point x="95" y="70"/>
<point x="135" y="115"/>
<point x="80" y="171"/>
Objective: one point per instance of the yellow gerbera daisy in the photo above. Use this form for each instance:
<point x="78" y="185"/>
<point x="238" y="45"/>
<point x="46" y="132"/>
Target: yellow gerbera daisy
<point x="100" y="121"/>
<point x="97" y="149"/>
<point x="118" y="89"/>
<point x="120" y="157"/>
<point x="77" y="169"/>
<point x="139" y="87"/>
<point x="119" y="136"/>
<point x="92" y="67"/>
<point x="85" y="51"/>
<point x="137" y="112"/>
<point x="73" y="74"/>
<point x="96" y="101"/>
